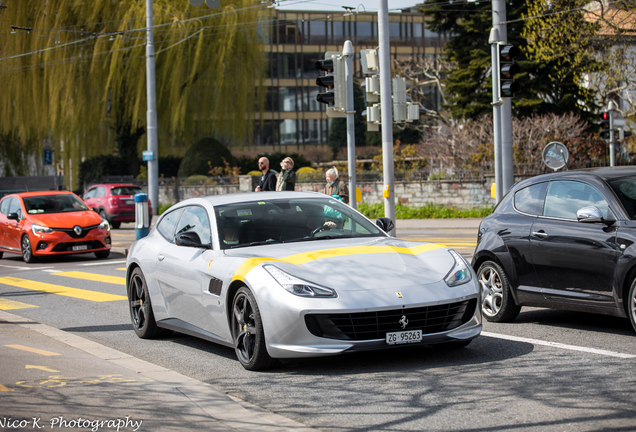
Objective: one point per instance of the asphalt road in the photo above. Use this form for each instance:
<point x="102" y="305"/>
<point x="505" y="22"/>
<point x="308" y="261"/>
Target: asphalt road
<point x="546" y="371"/>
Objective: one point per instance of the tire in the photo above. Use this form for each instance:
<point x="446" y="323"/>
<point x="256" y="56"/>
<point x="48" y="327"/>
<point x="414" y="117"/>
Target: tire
<point x="102" y="254"/>
<point x="115" y="225"/>
<point x="27" y="250"/>
<point x="497" y="304"/>
<point x="143" y="320"/>
<point x="1" y="255"/>
<point x="247" y="332"/>
<point x="631" y="304"/>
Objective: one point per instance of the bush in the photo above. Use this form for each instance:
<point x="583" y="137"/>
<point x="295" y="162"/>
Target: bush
<point x="429" y="211"/>
<point x="203" y="155"/>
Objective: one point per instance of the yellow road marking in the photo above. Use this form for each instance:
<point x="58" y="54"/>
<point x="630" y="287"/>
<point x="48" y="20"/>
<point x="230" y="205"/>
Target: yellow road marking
<point x="61" y="290"/>
<point x="3" y="388"/>
<point x="44" y="368"/>
<point x="121" y="268"/>
<point x="92" y="277"/>
<point x="33" y="350"/>
<point x="305" y="257"/>
<point x="6" y="304"/>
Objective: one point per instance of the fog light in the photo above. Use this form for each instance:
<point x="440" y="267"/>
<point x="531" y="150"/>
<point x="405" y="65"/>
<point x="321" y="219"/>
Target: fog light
<point x="107" y="240"/>
<point x="42" y="245"/>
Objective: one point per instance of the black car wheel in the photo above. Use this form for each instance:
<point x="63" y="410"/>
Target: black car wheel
<point x="27" y="252"/>
<point x="115" y="225"/>
<point x="497" y="304"/>
<point x="143" y="320"/>
<point x="102" y="254"/>
<point x="247" y="332"/>
<point x="102" y="214"/>
<point x="631" y="304"/>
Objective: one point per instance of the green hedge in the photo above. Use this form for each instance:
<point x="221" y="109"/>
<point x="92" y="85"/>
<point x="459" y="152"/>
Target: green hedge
<point x="429" y="211"/>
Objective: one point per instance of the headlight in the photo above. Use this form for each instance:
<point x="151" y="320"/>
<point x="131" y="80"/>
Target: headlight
<point x="37" y="229"/>
<point x="460" y="273"/>
<point x="297" y="286"/>
<point x="105" y="224"/>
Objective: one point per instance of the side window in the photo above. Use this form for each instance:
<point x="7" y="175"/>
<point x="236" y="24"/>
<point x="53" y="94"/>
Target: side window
<point x="530" y="199"/>
<point x="195" y="219"/>
<point x="100" y="191"/>
<point x="4" y="206"/>
<point x="90" y="193"/>
<point x="564" y="198"/>
<point x="168" y="223"/>
<point x="15" y="207"/>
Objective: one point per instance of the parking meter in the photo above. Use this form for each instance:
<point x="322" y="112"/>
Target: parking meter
<point x="142" y="224"/>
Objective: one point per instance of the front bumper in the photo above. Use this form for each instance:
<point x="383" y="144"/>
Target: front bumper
<point x="60" y="243"/>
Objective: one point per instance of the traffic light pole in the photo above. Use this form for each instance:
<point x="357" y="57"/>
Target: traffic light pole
<point x="151" y="114"/>
<point x="347" y="52"/>
<point x="496" y="110"/>
<point x="507" y="164"/>
<point x="611" y="109"/>
<point x="386" y="111"/>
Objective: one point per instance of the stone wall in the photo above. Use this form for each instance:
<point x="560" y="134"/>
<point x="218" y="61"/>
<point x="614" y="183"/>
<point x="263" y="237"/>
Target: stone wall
<point x="464" y="194"/>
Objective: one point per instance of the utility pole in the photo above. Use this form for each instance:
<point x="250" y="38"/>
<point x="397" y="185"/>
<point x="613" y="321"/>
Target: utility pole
<point x="347" y="53"/>
<point x="507" y="165"/>
<point x="386" y="111"/>
<point x="151" y="113"/>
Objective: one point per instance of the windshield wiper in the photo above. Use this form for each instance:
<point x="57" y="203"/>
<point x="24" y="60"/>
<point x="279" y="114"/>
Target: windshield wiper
<point x="258" y="243"/>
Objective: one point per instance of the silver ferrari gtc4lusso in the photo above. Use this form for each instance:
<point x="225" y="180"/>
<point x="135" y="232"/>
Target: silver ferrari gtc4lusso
<point x="292" y="274"/>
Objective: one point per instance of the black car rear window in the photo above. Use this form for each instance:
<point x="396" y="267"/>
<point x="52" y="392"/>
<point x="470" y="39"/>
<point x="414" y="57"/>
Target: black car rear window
<point x="125" y="190"/>
<point x="530" y="199"/>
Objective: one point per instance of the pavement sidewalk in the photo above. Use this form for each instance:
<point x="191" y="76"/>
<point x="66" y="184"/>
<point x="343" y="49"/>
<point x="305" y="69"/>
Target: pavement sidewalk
<point x="122" y="391"/>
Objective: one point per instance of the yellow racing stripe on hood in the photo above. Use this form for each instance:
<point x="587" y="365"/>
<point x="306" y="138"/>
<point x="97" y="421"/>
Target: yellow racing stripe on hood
<point x="305" y="257"/>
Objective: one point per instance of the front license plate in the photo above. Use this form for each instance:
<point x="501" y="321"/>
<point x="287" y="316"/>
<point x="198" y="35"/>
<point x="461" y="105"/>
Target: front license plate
<point x="82" y="247"/>
<point x="404" y="337"/>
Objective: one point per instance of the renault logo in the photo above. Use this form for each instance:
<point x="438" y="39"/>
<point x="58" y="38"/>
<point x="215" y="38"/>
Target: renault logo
<point x="77" y="229"/>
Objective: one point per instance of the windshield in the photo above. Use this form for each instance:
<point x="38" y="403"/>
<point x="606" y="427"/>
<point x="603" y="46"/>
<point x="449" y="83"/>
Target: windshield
<point x="125" y="190"/>
<point x="53" y="204"/>
<point x="625" y="190"/>
<point x="289" y="220"/>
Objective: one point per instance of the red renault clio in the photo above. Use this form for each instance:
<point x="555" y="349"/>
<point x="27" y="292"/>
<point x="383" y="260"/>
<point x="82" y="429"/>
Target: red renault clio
<point x="45" y="223"/>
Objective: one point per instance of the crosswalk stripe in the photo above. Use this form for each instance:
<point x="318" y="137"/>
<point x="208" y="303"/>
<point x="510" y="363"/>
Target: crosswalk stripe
<point x="6" y="304"/>
<point x="92" y="277"/>
<point x="61" y="290"/>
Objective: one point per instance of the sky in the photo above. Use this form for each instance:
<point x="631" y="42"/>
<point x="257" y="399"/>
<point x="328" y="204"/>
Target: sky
<point x="336" y="5"/>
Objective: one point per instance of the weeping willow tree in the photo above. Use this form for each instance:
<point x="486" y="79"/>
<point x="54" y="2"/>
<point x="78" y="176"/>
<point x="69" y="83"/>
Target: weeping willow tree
<point x="75" y="72"/>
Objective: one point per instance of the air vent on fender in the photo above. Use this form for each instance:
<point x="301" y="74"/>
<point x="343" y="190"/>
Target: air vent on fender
<point x="215" y="286"/>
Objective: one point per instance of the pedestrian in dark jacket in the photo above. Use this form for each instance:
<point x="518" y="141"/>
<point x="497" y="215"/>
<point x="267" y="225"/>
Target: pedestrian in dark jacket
<point x="268" y="179"/>
<point x="286" y="179"/>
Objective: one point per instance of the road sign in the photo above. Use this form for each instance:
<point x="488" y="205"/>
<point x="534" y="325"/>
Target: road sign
<point x="48" y="157"/>
<point x="147" y="155"/>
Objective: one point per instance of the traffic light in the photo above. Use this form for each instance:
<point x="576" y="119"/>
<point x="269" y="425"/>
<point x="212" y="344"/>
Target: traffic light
<point x="605" y="125"/>
<point x="336" y="95"/>
<point x="508" y="68"/>
<point x="622" y="134"/>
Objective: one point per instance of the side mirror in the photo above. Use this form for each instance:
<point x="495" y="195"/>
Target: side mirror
<point x="592" y="214"/>
<point x="385" y="223"/>
<point x="13" y="216"/>
<point x="189" y="239"/>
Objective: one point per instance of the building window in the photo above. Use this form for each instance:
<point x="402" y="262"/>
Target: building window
<point x="318" y="32"/>
<point x="287" y="99"/>
<point x="309" y="64"/>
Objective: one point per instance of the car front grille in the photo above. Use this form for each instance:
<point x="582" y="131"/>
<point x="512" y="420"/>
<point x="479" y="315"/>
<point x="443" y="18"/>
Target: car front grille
<point x="71" y="232"/>
<point x="375" y="325"/>
<point x="68" y="247"/>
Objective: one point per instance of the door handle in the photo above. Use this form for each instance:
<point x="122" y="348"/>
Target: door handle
<point x="540" y="234"/>
<point x="161" y="257"/>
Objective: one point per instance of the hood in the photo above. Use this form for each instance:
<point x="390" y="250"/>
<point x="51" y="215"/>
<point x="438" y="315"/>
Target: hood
<point x="353" y="264"/>
<point x="67" y="220"/>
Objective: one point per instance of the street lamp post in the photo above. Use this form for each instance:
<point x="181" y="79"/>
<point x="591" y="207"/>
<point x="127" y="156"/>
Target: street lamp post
<point x="151" y="127"/>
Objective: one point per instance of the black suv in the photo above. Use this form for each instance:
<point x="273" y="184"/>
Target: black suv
<point x="564" y="240"/>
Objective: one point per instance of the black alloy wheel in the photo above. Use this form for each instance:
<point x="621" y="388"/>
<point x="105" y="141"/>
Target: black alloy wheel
<point x="247" y="332"/>
<point x="27" y="251"/>
<point x="102" y="214"/>
<point x="143" y="320"/>
<point x="497" y="304"/>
